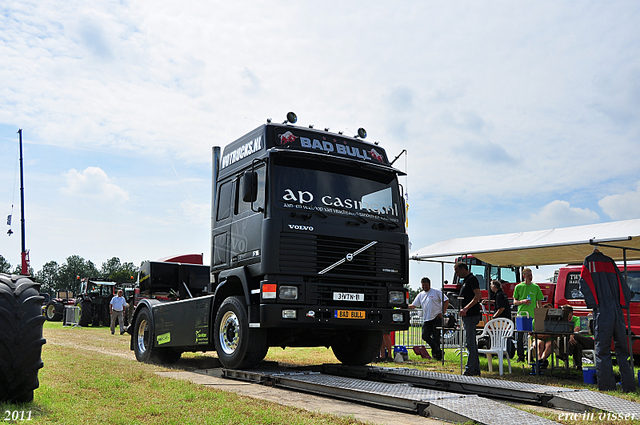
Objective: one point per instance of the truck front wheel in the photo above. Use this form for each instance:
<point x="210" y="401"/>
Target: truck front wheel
<point x="357" y="347"/>
<point x="238" y="345"/>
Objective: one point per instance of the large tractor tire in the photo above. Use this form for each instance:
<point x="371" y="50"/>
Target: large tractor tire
<point x="356" y="348"/>
<point x="143" y="342"/>
<point x="53" y="311"/>
<point x="238" y="345"/>
<point x="20" y="338"/>
<point x="86" y="312"/>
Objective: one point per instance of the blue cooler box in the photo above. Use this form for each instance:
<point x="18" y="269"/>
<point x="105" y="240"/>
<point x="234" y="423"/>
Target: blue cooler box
<point x="524" y="323"/>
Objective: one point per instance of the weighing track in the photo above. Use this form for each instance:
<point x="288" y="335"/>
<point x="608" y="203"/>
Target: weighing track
<point x="432" y="403"/>
<point x="570" y="399"/>
<point x="449" y="397"/>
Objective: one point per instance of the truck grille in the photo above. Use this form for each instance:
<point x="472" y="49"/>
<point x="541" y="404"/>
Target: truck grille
<point x="309" y="254"/>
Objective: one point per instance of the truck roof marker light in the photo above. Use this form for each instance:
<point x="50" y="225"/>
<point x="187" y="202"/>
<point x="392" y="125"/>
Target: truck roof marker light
<point x="268" y="120"/>
<point x="291" y="118"/>
<point x="310" y="125"/>
<point x="362" y="133"/>
<point x="326" y="129"/>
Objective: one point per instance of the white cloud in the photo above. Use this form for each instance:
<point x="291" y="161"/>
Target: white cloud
<point x="196" y="212"/>
<point x="562" y="214"/>
<point x="93" y="184"/>
<point x="622" y="206"/>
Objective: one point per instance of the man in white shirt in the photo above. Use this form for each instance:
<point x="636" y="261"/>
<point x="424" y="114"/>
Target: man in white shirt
<point x="118" y="304"/>
<point x="431" y="300"/>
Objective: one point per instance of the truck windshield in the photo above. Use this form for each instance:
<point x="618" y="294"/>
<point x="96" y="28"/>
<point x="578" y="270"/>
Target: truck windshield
<point x="572" y="288"/>
<point x="329" y="189"/>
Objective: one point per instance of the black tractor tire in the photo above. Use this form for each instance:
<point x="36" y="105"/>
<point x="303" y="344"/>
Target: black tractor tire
<point x="21" y="338"/>
<point x="143" y="342"/>
<point x="355" y="348"/>
<point x="238" y="346"/>
<point x="86" y="312"/>
<point x="53" y="311"/>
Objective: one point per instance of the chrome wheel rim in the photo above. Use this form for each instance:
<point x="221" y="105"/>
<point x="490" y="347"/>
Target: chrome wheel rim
<point x="142" y="333"/>
<point x="229" y="332"/>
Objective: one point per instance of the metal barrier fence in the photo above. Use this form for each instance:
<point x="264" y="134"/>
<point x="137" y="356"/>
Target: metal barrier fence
<point x="413" y="336"/>
<point x="71" y="316"/>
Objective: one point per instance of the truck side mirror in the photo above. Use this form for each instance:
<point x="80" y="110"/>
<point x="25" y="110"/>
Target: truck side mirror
<point x="249" y="186"/>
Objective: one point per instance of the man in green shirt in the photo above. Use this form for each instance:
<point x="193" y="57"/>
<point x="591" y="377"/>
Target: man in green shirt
<point x="526" y="296"/>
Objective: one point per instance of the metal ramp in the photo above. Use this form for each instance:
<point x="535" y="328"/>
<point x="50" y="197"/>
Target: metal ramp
<point x="427" y="402"/>
<point x="570" y="399"/>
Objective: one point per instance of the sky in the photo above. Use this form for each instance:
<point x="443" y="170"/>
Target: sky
<point x="515" y="116"/>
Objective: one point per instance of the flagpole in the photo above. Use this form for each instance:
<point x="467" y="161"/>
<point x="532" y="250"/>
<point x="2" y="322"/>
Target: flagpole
<point x="25" y="261"/>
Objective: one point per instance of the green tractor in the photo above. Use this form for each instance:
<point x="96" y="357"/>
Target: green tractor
<point x="93" y="299"/>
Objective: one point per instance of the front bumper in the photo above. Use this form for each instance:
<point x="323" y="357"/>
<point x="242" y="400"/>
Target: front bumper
<point x="316" y="317"/>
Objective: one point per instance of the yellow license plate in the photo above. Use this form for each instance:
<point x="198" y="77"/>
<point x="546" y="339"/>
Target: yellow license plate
<point x="349" y="314"/>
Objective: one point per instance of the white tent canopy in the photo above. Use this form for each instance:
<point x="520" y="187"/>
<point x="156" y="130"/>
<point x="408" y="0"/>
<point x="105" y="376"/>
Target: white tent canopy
<point x="543" y="247"/>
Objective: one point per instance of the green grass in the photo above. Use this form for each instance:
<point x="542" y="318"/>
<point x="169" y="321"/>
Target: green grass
<point x="87" y="386"/>
<point x="91" y="376"/>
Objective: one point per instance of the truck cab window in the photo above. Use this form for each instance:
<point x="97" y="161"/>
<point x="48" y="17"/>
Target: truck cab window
<point x="241" y="206"/>
<point x="508" y="275"/>
<point x="224" y="201"/>
<point x="633" y="280"/>
<point x="572" y="288"/>
<point x="478" y="271"/>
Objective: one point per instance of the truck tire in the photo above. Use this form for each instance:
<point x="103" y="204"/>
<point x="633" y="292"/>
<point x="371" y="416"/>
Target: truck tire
<point x="238" y="345"/>
<point x="143" y="342"/>
<point x="20" y="338"/>
<point x="356" y="348"/>
<point x="86" y="312"/>
<point x="53" y="311"/>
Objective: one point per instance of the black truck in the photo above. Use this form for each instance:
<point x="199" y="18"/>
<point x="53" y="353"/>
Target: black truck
<point x="309" y="248"/>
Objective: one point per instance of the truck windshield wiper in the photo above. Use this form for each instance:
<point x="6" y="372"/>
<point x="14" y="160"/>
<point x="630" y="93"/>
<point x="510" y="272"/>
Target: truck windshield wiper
<point x="306" y="216"/>
<point x="388" y="221"/>
<point x="352" y="214"/>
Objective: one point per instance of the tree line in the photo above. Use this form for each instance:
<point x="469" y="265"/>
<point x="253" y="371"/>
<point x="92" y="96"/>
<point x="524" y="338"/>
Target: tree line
<point x="54" y="277"/>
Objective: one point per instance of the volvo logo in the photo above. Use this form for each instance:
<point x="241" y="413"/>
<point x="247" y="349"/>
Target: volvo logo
<point x="349" y="257"/>
<point x="299" y="227"/>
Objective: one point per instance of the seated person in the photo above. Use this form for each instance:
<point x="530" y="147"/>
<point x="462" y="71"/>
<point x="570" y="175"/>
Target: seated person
<point x="544" y="345"/>
<point x="577" y="343"/>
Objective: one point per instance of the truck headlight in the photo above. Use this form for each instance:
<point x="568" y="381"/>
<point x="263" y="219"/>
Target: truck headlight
<point x="397" y="317"/>
<point x="288" y="292"/>
<point x="396" y="297"/>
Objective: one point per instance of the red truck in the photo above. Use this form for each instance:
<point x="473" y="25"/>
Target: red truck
<point x="567" y="292"/>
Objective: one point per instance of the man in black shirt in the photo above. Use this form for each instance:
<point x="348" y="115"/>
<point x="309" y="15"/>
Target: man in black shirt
<point x="471" y="315"/>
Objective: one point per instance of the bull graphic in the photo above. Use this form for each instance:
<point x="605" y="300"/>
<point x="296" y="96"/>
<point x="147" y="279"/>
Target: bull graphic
<point x="287" y="137"/>
<point x="375" y="155"/>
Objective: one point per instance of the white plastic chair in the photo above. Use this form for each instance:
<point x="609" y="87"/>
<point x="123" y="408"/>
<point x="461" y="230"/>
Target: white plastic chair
<point x="498" y="330"/>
